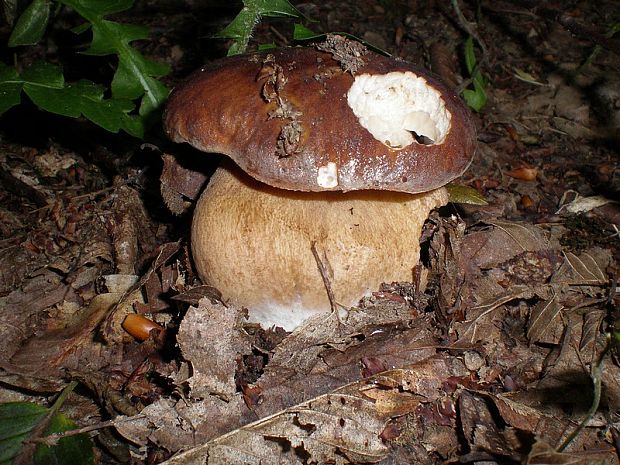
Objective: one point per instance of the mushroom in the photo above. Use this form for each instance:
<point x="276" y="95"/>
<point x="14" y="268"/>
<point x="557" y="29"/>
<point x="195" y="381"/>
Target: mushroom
<point x="338" y="149"/>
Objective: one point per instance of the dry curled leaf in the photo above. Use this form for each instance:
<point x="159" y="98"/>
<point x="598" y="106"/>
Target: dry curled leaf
<point x="179" y="182"/>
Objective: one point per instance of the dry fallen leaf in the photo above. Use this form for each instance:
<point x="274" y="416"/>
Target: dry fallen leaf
<point x="178" y="183"/>
<point x="340" y="427"/>
<point x="211" y="338"/>
<point x="543" y="454"/>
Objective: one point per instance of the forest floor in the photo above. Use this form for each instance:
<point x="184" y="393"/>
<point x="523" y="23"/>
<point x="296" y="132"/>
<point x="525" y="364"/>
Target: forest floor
<point x="503" y="354"/>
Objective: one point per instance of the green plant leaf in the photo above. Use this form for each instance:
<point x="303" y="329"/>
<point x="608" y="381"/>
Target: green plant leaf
<point x="465" y="194"/>
<point x="269" y="46"/>
<point x="475" y="98"/>
<point x="10" y="87"/>
<point x="31" y="24"/>
<point x="103" y="7"/>
<point x="135" y="76"/>
<point x="18" y="421"/>
<point x="44" y="75"/>
<point x="275" y="8"/>
<point x="134" y="79"/>
<point x="102" y="45"/>
<point x="301" y="32"/>
<point x="45" y="86"/>
<point x="470" y="55"/>
<point x="241" y="28"/>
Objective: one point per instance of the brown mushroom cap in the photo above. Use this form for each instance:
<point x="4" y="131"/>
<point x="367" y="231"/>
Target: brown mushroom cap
<point x="283" y="117"/>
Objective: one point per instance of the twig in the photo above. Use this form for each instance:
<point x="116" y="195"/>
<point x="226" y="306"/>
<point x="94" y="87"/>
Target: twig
<point x="325" y="276"/>
<point x="467" y="26"/>
<point x="283" y="40"/>
<point x="52" y="439"/>
<point x="26" y="453"/>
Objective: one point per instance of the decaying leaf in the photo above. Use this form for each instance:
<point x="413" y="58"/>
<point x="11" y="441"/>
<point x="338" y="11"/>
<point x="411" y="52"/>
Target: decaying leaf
<point x="327" y="353"/>
<point x="179" y="183"/>
<point x="584" y="204"/>
<point x="70" y="346"/>
<point x="541" y="316"/>
<point x="507" y="264"/>
<point x="340" y="427"/>
<point x="505" y="425"/>
<point x="481" y="429"/>
<point x="585" y="269"/>
<point x="480" y="318"/>
<point x="591" y="326"/>
<point x="181" y="424"/>
<point x="543" y="454"/>
<point x="212" y="339"/>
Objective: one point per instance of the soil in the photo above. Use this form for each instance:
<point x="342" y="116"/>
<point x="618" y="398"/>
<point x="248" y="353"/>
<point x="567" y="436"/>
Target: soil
<point x="506" y="347"/>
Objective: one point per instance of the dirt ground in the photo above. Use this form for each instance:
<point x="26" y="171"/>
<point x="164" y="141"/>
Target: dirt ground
<point x="506" y="354"/>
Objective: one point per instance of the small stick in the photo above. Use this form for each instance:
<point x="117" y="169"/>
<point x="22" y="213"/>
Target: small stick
<point x="325" y="276"/>
<point x="52" y="439"/>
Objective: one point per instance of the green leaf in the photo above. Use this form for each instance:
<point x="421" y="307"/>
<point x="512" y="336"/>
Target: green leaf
<point x="475" y="98"/>
<point x="241" y="28"/>
<point x="156" y="93"/>
<point x="527" y="77"/>
<point x="44" y="75"/>
<point x="470" y="55"/>
<point x="31" y="24"/>
<point x="45" y="86"/>
<point x="269" y="46"/>
<point x="10" y="87"/>
<point x="102" y="7"/>
<point x="134" y="78"/>
<point x="465" y="194"/>
<point x="18" y="421"/>
<point x="102" y="45"/>
<point x="301" y="32"/>
<point x="81" y="28"/>
<point x="70" y="450"/>
<point x="275" y="8"/>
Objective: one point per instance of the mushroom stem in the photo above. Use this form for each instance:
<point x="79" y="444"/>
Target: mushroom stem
<point x="253" y="243"/>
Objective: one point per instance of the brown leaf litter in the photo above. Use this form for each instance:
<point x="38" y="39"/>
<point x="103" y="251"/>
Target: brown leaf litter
<point x="487" y="357"/>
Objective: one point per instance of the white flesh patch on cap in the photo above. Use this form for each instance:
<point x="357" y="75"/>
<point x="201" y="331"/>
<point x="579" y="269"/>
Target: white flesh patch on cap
<point x="328" y="175"/>
<point x="394" y="106"/>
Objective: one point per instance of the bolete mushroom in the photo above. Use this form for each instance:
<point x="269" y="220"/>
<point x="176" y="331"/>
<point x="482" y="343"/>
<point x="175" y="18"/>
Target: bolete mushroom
<point x="336" y="147"/>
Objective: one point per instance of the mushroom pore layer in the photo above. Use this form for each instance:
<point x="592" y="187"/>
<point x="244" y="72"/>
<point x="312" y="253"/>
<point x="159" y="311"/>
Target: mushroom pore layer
<point x="253" y="243"/>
